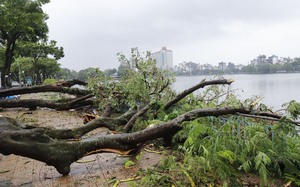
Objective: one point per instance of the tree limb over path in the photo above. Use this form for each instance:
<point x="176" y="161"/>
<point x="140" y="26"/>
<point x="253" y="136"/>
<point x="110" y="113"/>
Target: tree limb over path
<point x="61" y="147"/>
<point x="62" y="87"/>
<point x="38" y="144"/>
<point x="202" y="84"/>
<point x="82" y="96"/>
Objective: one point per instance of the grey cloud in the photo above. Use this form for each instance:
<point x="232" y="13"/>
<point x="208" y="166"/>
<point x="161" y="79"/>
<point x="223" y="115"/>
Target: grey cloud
<point x="94" y="31"/>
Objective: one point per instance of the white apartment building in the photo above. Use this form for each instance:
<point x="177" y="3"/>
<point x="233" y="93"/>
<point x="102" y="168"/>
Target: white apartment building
<point x="163" y="58"/>
<point x="273" y="59"/>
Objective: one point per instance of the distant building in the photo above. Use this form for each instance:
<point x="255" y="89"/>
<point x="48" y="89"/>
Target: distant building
<point x="253" y="62"/>
<point x="231" y="66"/>
<point x="207" y="66"/>
<point x="163" y="58"/>
<point x="261" y="60"/>
<point x="273" y="59"/>
<point x="222" y="66"/>
<point x="239" y="67"/>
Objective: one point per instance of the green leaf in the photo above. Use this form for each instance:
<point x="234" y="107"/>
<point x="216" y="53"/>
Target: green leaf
<point x="128" y="164"/>
<point x="228" y="155"/>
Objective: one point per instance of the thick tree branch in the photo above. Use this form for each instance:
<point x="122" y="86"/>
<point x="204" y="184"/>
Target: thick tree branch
<point x="76" y="133"/>
<point x="72" y="83"/>
<point x="79" y="99"/>
<point x="194" y="88"/>
<point x="107" y="111"/>
<point x="37" y="144"/>
<point x="33" y="103"/>
<point x="131" y="122"/>
<point x="44" y="88"/>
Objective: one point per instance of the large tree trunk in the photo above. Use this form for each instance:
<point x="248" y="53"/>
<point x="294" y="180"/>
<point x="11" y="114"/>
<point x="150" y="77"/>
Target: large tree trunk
<point x="62" y="87"/>
<point x="32" y="104"/>
<point x="10" y="48"/>
<point x="38" y="144"/>
<point x="49" y="145"/>
<point x="61" y="147"/>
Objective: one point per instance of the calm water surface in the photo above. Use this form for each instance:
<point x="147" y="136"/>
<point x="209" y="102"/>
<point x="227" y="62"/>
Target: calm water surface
<point x="276" y="89"/>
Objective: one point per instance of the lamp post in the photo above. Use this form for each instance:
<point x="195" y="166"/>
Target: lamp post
<point x="35" y="79"/>
<point x="42" y="78"/>
<point x="20" y="82"/>
<point x="5" y="81"/>
<point x="23" y="72"/>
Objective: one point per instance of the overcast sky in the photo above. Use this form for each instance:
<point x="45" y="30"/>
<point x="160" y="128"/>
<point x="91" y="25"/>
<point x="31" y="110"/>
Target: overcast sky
<point x="92" y="32"/>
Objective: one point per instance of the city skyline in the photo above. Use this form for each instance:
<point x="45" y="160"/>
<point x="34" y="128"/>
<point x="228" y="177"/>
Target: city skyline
<point x="93" y="32"/>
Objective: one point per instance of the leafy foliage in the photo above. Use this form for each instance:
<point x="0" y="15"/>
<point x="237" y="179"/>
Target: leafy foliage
<point x="218" y="151"/>
<point x="50" y="81"/>
<point x="22" y="20"/>
<point x="142" y="83"/>
<point x="214" y="151"/>
<point x="293" y="109"/>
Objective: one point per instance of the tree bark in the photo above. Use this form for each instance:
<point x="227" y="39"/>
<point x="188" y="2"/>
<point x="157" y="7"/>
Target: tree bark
<point x="50" y="146"/>
<point x="131" y="122"/>
<point x="38" y="144"/>
<point x="186" y="92"/>
<point x="32" y="104"/>
<point x="63" y="87"/>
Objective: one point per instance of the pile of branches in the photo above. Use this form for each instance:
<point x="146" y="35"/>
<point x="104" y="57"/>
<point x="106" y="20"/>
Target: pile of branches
<point x="50" y="146"/>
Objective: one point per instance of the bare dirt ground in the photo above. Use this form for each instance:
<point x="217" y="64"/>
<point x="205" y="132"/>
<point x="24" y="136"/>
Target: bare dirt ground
<point x="103" y="169"/>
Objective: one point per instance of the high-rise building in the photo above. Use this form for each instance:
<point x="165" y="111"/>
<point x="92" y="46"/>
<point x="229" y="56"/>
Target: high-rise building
<point x="273" y="59"/>
<point x="222" y="66"/>
<point x="163" y="58"/>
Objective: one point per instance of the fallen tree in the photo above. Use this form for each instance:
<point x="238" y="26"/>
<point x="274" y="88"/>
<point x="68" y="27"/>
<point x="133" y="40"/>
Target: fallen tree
<point x="48" y="145"/>
<point x="81" y="99"/>
<point x="156" y="111"/>
<point x="62" y="87"/>
<point x="32" y="104"/>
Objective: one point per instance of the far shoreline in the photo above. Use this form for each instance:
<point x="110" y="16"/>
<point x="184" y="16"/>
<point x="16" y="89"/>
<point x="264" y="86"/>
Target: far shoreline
<point x="220" y="74"/>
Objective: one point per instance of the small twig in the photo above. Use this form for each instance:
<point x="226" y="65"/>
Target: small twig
<point x="267" y="118"/>
<point x="126" y="180"/>
<point x="85" y="161"/>
<point x="72" y="102"/>
<point x="151" y="151"/>
<point x="214" y="98"/>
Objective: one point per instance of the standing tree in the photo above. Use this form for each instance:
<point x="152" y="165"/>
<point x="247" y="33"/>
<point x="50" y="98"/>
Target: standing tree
<point x="44" y="56"/>
<point x="67" y="74"/>
<point x="84" y="74"/>
<point x="22" y="20"/>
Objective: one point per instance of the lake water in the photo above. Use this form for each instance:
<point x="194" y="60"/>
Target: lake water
<point x="275" y="89"/>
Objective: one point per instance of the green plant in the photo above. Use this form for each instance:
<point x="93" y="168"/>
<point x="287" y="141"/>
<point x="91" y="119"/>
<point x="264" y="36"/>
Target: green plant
<point x="143" y="83"/>
<point x="128" y="164"/>
<point x="219" y="150"/>
<point x="50" y="81"/>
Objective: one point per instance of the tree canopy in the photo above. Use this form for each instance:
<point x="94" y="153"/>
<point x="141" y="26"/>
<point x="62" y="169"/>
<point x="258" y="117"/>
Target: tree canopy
<point x="22" y="20"/>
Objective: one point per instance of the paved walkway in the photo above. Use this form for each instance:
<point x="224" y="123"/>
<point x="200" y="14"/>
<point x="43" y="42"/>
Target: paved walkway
<point x="102" y="169"/>
<point x="95" y="170"/>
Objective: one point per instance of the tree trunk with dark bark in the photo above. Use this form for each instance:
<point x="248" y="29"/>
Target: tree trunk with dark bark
<point x="50" y="146"/>
<point x="46" y="144"/>
<point x="82" y="96"/>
